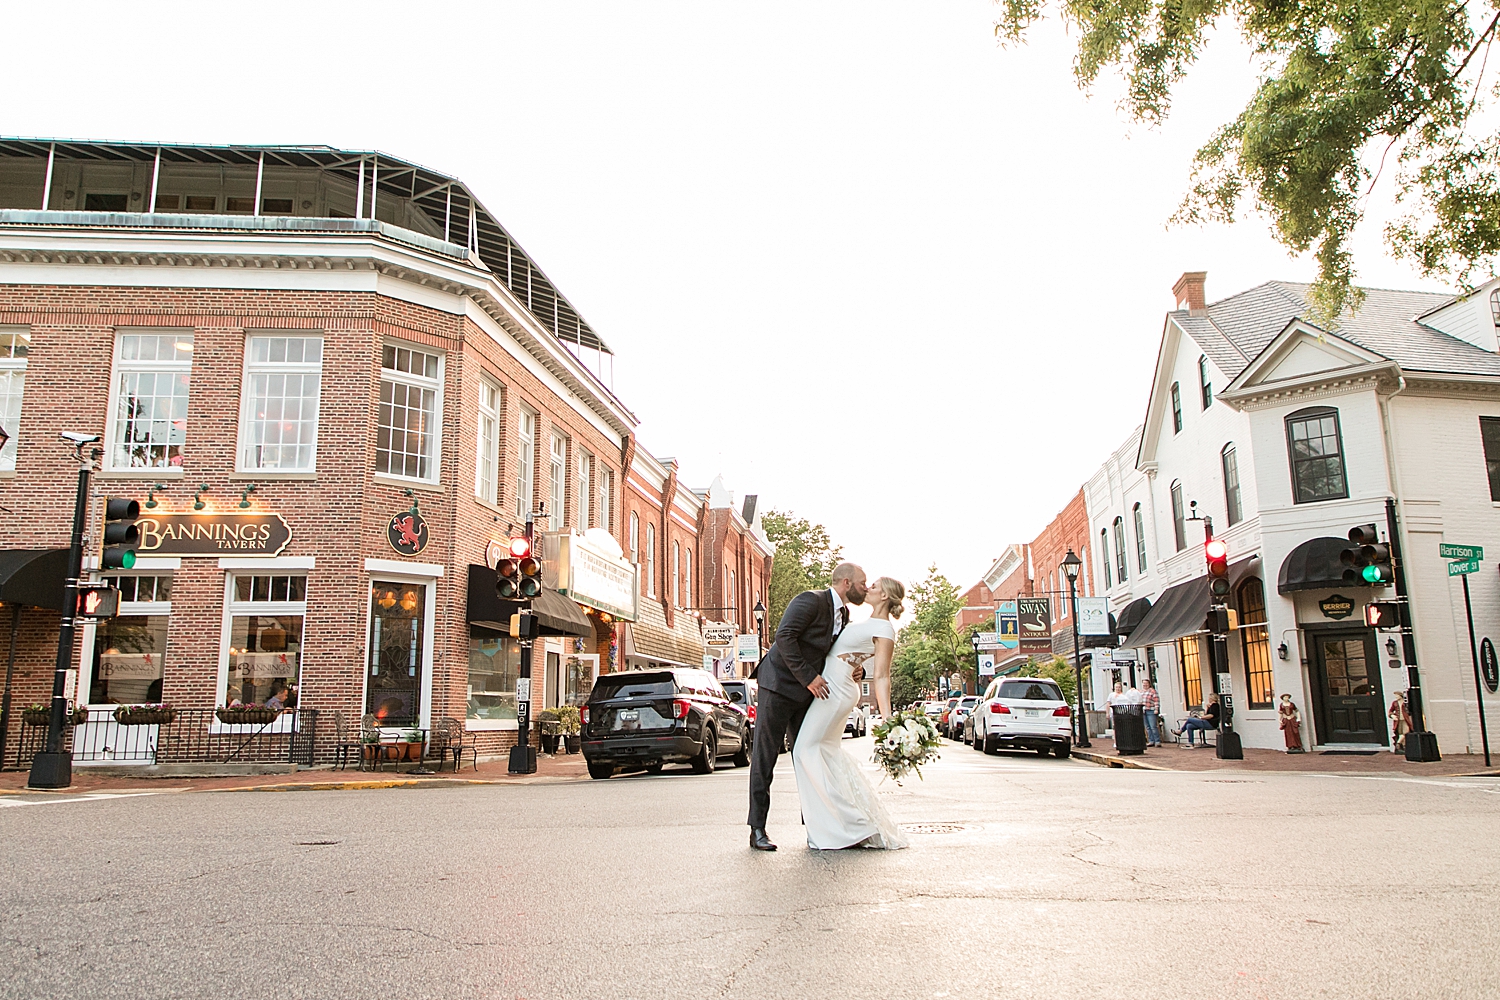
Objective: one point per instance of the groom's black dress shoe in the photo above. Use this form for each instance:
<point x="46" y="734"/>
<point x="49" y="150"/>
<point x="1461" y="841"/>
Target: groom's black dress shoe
<point x="760" y="841"/>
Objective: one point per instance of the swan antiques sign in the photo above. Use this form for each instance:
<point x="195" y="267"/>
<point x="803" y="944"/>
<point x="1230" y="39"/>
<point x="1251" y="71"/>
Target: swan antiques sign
<point x="199" y="534"/>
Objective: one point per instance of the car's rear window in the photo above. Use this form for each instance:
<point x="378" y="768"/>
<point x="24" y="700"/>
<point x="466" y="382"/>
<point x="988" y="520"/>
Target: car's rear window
<point x="1030" y="691"/>
<point x="968" y="702"/>
<point x="632" y="686"/>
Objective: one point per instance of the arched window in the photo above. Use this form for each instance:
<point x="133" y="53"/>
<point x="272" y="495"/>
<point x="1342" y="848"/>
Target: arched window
<point x="635" y="537"/>
<point x="1256" y="640"/>
<point x="1231" y="485"/>
<point x="1104" y="556"/>
<point x="676" y="575"/>
<point x="1316" y="451"/>
<point x="687" y="579"/>
<point x="1179" y="517"/>
<point x="1120" y="547"/>
<point x="1140" y="540"/>
<point x="651" y="559"/>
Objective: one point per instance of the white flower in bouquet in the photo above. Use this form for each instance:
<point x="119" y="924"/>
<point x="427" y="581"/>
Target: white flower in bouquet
<point x="904" y="742"/>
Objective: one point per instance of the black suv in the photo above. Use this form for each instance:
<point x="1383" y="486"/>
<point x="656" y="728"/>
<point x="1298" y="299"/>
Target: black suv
<point x="646" y="718"/>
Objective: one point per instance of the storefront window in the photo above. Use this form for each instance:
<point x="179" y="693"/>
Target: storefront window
<point x="494" y="661"/>
<point x="1192" y="677"/>
<point x="579" y="670"/>
<point x="128" y="656"/>
<point x="393" y="687"/>
<point x="265" y="640"/>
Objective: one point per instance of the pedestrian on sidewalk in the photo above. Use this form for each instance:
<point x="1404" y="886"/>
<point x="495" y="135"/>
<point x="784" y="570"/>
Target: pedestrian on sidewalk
<point x="1209" y="720"/>
<point x="1400" y="723"/>
<point x="1116" y="697"/>
<point x="1151" y="711"/>
<point x="1291" y="724"/>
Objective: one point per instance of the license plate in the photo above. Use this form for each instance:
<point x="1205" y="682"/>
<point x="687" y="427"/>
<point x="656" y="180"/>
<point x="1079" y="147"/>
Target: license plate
<point x="630" y="715"/>
<point x="1032" y="713"/>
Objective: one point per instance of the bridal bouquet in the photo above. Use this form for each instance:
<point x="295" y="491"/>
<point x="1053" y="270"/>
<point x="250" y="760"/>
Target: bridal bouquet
<point x="904" y="742"/>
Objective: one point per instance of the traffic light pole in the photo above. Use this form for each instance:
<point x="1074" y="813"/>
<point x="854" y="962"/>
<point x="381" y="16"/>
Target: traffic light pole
<point x="1420" y="744"/>
<point x="523" y="754"/>
<point x="1227" y="746"/>
<point x="53" y="768"/>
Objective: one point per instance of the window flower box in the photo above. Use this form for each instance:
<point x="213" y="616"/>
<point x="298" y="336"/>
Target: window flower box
<point x="247" y="715"/>
<point x="145" y="715"/>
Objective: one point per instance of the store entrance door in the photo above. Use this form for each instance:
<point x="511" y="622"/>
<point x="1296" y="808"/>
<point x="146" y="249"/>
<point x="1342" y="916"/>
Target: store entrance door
<point x="1348" y="700"/>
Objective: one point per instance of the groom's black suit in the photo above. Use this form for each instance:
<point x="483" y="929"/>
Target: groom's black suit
<point x="795" y="660"/>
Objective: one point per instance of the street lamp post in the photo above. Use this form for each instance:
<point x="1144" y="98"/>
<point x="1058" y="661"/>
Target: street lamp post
<point x="760" y="626"/>
<point x="975" y="640"/>
<point x="1071" y="565"/>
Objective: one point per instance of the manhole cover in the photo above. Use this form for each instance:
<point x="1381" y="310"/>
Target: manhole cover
<point x="922" y="829"/>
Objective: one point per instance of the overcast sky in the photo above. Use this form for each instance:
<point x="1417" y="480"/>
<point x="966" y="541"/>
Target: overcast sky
<point x="856" y="257"/>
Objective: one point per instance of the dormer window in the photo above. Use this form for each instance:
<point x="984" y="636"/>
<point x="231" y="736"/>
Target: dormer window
<point x="1495" y="306"/>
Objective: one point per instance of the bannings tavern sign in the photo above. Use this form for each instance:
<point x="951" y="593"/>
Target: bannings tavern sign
<point x="212" y="534"/>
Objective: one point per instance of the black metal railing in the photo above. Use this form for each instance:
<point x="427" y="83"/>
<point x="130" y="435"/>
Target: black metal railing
<point x="190" y="736"/>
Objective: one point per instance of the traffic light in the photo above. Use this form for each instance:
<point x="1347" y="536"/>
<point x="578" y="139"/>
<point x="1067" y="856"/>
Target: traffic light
<point x="98" y="600"/>
<point x="1217" y="622"/>
<point x="508" y="569"/>
<point x="121" y="536"/>
<point x="1367" y="560"/>
<point x="531" y="576"/>
<point x="1383" y="614"/>
<point x="1217" y="554"/>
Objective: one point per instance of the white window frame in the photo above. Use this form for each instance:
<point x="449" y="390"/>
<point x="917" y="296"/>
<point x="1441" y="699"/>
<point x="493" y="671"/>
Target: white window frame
<point x="584" y="503"/>
<point x="398" y="572"/>
<point x="557" y="480"/>
<point x="606" y="500"/>
<point x="247" y="397"/>
<point x="132" y="608"/>
<point x="650" y="559"/>
<point x="635" y="538"/>
<point x="487" y="442"/>
<point x="232" y="609"/>
<point x="687" y="578"/>
<point x="13" y="371"/>
<point x="525" y="463"/>
<point x="435" y="438"/>
<point x="676" y="574"/>
<point x="120" y="368"/>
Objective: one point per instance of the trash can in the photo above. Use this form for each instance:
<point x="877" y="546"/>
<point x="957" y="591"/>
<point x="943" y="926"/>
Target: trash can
<point x="1130" y="730"/>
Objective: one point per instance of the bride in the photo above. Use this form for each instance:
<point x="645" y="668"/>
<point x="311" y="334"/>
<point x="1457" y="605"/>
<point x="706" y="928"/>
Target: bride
<point x="839" y="807"/>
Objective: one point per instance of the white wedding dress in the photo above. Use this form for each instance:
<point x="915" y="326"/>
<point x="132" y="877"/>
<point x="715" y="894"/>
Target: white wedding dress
<point x="839" y="806"/>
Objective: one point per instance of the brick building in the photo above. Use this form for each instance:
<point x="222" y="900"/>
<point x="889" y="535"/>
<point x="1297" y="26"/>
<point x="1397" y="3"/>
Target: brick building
<point x="336" y="384"/>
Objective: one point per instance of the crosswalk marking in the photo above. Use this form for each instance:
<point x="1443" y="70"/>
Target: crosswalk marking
<point x="86" y="797"/>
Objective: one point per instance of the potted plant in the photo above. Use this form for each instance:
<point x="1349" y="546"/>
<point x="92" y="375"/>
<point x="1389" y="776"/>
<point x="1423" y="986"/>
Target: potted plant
<point x="145" y="715"/>
<point x="413" y="739"/>
<point x="36" y="715"/>
<point x="571" y="727"/>
<point x="548" y="722"/>
<point x="247" y="715"/>
<point x="80" y="715"/>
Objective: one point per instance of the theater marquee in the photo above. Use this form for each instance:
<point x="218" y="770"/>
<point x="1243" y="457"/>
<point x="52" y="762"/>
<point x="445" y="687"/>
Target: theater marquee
<point x="212" y="534"/>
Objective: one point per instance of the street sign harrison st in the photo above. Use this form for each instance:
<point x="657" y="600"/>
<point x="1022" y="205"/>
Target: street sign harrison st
<point x="1446" y="551"/>
<point x="1463" y="568"/>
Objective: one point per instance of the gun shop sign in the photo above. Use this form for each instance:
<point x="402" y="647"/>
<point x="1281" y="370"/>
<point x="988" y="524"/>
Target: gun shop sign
<point x="198" y="534"/>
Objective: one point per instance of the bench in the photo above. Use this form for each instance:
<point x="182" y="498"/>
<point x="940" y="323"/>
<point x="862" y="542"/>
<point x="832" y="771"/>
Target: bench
<point x="1208" y="737"/>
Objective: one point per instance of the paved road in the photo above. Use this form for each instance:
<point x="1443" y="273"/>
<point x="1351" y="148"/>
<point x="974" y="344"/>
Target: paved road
<point x="1038" y="877"/>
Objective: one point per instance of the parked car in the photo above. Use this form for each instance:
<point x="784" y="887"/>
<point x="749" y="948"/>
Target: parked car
<point x="858" y="722"/>
<point x="948" y="707"/>
<point x="642" y="719"/>
<point x="743" y="693"/>
<point x="1023" y="713"/>
<point x="958" y="714"/>
<point x="933" y="710"/>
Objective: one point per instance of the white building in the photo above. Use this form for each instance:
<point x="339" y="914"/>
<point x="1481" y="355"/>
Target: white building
<point x="1286" y="435"/>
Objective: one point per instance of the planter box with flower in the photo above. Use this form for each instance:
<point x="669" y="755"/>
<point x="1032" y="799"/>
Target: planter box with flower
<point x="547" y="720"/>
<point x="145" y="715"/>
<point x="413" y="741"/>
<point x="247" y="715"/>
<point x="40" y="716"/>
<point x="569" y="723"/>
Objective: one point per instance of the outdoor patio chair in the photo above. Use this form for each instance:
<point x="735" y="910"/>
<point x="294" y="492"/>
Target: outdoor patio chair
<point x="369" y="733"/>
<point x="343" y="741"/>
<point x="458" y="741"/>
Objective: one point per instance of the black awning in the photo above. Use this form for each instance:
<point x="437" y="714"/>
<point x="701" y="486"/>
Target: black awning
<point x="556" y="614"/>
<point x="1135" y="612"/>
<point x="33" y="576"/>
<point x="1178" y="612"/>
<point x="1314" y="565"/>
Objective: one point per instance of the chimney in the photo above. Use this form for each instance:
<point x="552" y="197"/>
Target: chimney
<point x="1189" y="292"/>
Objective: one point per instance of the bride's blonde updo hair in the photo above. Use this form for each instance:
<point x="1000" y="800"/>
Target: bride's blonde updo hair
<point x="894" y="592"/>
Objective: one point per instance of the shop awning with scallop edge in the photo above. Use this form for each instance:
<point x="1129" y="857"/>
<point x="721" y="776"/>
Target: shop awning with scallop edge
<point x="34" y="577"/>
<point x="1316" y="564"/>
<point x="1134" y="613"/>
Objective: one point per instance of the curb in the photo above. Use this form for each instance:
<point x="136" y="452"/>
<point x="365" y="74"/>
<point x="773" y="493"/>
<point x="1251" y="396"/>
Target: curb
<point x="1104" y="760"/>
<point x="340" y="786"/>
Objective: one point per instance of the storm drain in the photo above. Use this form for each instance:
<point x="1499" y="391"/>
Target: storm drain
<point x="929" y="829"/>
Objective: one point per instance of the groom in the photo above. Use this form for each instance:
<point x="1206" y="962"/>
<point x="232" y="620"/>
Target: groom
<point x="791" y="676"/>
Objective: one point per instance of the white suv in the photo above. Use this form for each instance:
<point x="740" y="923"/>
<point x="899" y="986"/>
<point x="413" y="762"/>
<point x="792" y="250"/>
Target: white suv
<point x="958" y="713"/>
<point x="1023" y="713"/>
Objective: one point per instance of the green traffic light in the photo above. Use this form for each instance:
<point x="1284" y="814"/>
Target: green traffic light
<point x="1373" y="574"/>
<point x="127" y="559"/>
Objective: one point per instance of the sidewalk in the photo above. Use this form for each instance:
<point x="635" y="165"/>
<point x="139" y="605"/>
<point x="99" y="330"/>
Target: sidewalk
<point x="563" y="767"/>
<point x="1170" y="757"/>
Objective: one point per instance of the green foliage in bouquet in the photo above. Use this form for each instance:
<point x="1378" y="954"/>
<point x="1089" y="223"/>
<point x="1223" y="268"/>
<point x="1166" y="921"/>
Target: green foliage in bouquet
<point x="904" y="742"/>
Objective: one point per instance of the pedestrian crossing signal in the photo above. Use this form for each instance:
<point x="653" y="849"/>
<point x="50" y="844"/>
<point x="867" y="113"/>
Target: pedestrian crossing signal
<point x="1382" y="615"/>
<point x="98" y="601"/>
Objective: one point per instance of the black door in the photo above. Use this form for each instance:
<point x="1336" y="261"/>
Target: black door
<point x="1346" y="667"/>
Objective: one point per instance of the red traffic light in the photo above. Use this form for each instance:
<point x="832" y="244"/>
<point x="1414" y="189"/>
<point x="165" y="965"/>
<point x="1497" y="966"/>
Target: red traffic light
<point x="1216" y="550"/>
<point x="1218" y="568"/>
<point x="520" y="546"/>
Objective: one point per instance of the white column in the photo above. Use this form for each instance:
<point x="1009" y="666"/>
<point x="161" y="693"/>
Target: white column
<point x="47" y="184"/>
<point x="359" y="197"/>
<point x="374" y="185"/>
<point x="155" y="177"/>
<point x="260" y="173"/>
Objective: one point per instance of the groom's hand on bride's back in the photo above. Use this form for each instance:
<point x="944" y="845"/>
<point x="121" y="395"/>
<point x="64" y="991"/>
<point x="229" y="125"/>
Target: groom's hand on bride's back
<point x="819" y="687"/>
